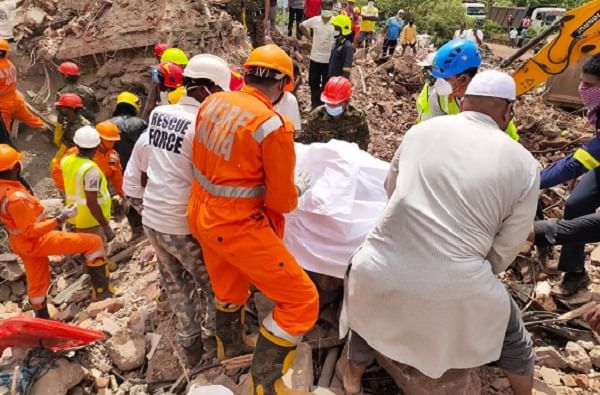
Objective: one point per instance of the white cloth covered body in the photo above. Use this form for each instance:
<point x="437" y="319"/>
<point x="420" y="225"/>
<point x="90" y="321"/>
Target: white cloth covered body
<point x="138" y="163"/>
<point x="171" y="131"/>
<point x="338" y="210"/>
<point x="422" y="289"/>
<point x="288" y="106"/>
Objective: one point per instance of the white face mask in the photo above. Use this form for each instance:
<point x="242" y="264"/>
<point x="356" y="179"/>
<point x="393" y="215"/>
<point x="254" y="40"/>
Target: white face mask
<point x="326" y="13"/>
<point x="334" y="111"/>
<point x="442" y="87"/>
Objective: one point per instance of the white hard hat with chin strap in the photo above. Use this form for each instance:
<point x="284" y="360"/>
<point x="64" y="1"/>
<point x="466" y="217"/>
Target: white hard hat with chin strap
<point x="210" y="67"/>
<point x="87" y="137"/>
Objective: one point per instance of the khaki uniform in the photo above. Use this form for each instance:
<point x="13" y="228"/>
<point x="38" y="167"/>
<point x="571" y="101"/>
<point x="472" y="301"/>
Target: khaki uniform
<point x="69" y="129"/>
<point x="320" y="127"/>
<point x="88" y="97"/>
<point x="254" y="11"/>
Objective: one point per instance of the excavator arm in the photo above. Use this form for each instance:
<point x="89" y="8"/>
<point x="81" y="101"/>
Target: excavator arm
<point x="578" y="37"/>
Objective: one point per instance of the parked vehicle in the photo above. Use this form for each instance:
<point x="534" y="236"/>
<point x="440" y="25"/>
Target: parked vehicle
<point x="475" y="10"/>
<point x="540" y="16"/>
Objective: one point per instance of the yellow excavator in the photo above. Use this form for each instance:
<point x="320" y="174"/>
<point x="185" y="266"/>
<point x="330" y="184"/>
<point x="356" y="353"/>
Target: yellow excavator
<point x="576" y="36"/>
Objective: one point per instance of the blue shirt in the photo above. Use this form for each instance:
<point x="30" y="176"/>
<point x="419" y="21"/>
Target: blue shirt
<point x="568" y="168"/>
<point x="394" y="27"/>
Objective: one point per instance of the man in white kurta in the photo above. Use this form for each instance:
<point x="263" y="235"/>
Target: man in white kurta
<point x="422" y="289"/>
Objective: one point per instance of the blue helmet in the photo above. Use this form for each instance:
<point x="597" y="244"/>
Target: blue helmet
<point x="454" y="58"/>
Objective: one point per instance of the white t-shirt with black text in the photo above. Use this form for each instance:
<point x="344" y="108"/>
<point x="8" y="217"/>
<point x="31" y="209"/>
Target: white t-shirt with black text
<point x="170" y="170"/>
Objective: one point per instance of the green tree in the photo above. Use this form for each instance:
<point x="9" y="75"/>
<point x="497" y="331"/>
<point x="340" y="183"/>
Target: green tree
<point x="439" y="18"/>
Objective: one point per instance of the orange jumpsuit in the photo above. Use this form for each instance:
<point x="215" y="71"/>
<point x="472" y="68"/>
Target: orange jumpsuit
<point x="12" y="104"/>
<point x="33" y="238"/>
<point x="244" y="160"/>
<point x="107" y="160"/>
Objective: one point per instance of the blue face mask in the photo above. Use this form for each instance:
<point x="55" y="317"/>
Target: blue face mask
<point x="334" y="111"/>
<point x="326" y="13"/>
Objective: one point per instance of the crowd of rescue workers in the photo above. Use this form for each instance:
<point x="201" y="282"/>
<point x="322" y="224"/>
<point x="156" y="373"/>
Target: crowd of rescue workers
<point x="206" y="172"/>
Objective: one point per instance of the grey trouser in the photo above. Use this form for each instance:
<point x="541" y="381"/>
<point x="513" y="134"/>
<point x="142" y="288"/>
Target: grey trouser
<point x="183" y="275"/>
<point x="517" y="356"/>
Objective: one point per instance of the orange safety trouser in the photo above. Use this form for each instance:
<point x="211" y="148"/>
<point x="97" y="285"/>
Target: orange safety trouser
<point x="249" y="252"/>
<point x="13" y="106"/>
<point x="35" y="256"/>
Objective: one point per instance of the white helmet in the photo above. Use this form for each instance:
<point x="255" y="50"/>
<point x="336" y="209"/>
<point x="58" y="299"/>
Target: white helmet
<point x="87" y="137"/>
<point x="210" y="67"/>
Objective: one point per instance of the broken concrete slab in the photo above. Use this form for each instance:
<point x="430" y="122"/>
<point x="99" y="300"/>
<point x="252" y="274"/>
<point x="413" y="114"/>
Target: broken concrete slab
<point x="550" y="376"/>
<point x="577" y="358"/>
<point x="59" y="379"/>
<point x="66" y="295"/>
<point x="11" y="271"/>
<point x="111" y="305"/>
<point x="550" y="357"/>
<point x="300" y="376"/>
<point x="127" y="350"/>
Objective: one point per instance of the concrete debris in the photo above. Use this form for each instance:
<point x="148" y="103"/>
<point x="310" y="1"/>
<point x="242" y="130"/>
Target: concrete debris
<point x="595" y="357"/>
<point x="68" y="294"/>
<point x="543" y="296"/>
<point x="127" y="350"/>
<point x="577" y="358"/>
<point x="595" y="256"/>
<point x="59" y="379"/>
<point x="550" y="357"/>
<point x="11" y="271"/>
<point x="111" y="305"/>
<point x="300" y="376"/>
<point x="550" y="376"/>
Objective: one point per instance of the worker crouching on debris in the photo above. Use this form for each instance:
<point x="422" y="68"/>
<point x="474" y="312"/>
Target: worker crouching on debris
<point x="244" y="159"/>
<point x="33" y="237"/>
<point x="12" y="104"/>
<point x="105" y="157"/>
<point x="70" y="106"/>
<point x="87" y="188"/>
<point x="585" y="198"/>
<point x="170" y="174"/>
<point x="467" y="223"/>
<point x="336" y="119"/>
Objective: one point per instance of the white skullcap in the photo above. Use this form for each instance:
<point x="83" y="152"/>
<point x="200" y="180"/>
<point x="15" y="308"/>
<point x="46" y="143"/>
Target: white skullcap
<point x="493" y="83"/>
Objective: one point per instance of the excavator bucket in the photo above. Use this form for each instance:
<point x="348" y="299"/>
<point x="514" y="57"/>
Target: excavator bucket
<point x="30" y="332"/>
<point x="562" y="89"/>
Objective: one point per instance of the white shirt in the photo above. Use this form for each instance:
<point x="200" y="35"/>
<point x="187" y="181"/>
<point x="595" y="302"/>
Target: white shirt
<point x="471" y="36"/>
<point x="138" y="163"/>
<point x="422" y="288"/>
<point x="459" y="34"/>
<point x="6" y="21"/>
<point x="288" y="106"/>
<point x="323" y="38"/>
<point x="170" y="170"/>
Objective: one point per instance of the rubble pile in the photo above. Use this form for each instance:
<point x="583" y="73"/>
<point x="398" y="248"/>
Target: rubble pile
<point x="112" y="41"/>
<point x="12" y="279"/>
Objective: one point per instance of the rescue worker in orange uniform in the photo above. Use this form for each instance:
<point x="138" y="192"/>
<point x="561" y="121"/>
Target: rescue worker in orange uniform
<point x="106" y="157"/>
<point x="32" y="234"/>
<point x="12" y="104"/>
<point x="244" y="160"/>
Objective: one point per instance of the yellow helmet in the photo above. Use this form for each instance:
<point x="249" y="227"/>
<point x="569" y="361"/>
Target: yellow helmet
<point x="174" y="55"/>
<point x="343" y="22"/>
<point x="129" y="98"/>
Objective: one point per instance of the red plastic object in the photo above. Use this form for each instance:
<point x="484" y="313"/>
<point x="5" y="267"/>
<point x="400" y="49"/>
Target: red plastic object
<point x="237" y="81"/>
<point x="23" y="331"/>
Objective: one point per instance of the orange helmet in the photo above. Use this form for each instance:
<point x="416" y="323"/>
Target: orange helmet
<point x="270" y="61"/>
<point x="9" y="157"/>
<point x="69" y="100"/>
<point x="4" y="45"/>
<point x="69" y="68"/>
<point x="108" y="131"/>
